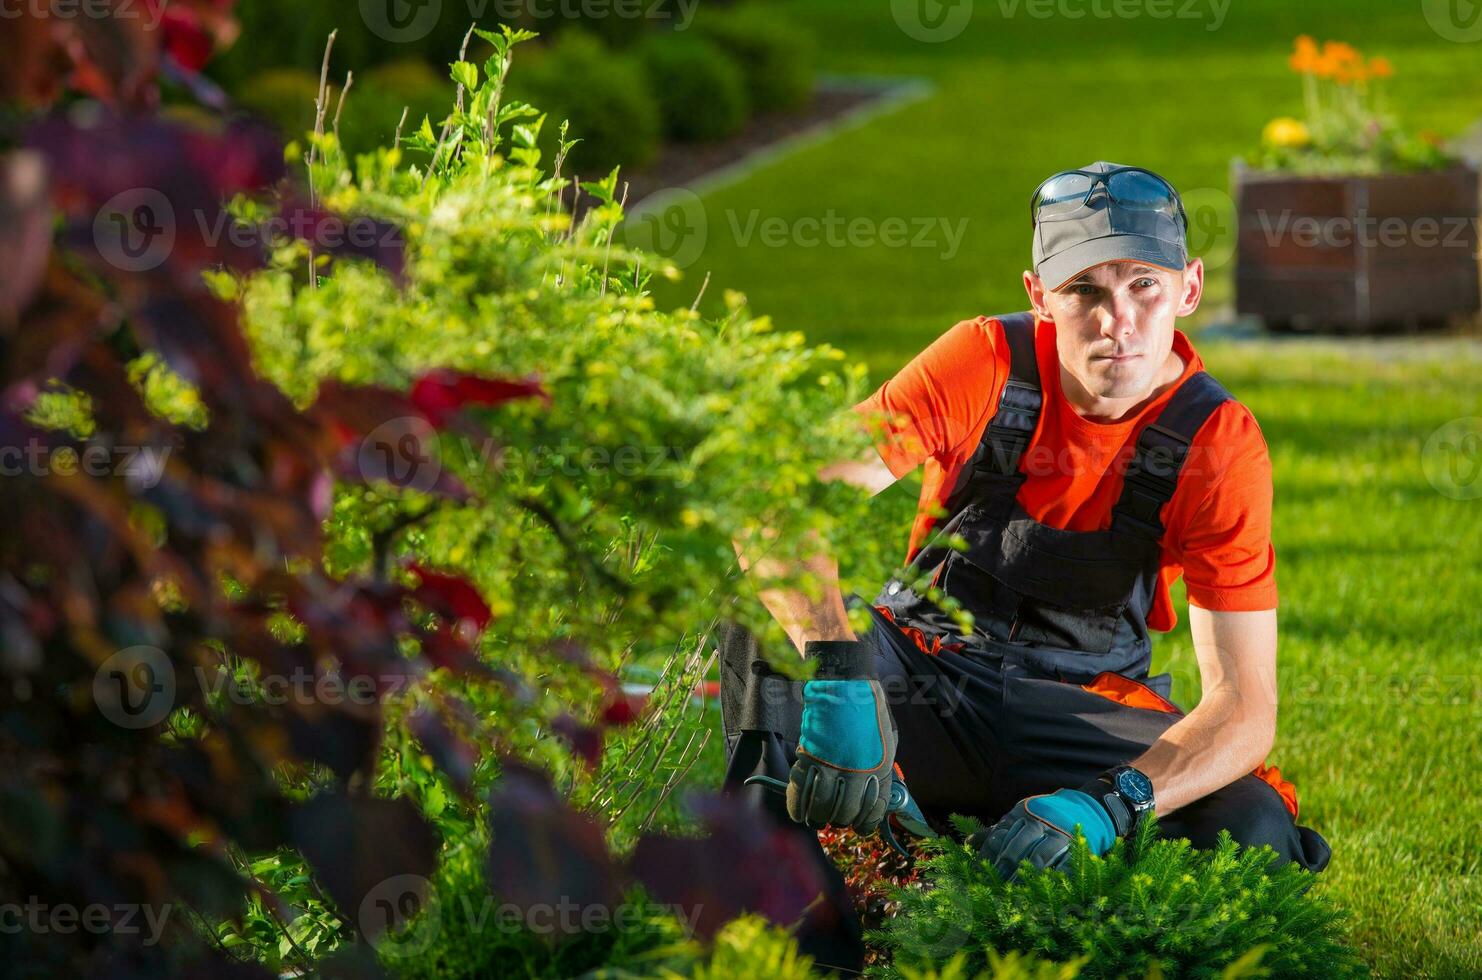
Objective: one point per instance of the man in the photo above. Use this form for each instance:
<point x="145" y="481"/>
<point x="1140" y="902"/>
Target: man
<point x="1088" y="462"/>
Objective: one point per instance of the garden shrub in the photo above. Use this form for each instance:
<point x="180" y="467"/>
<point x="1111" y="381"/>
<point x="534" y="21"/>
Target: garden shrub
<point x="604" y="95"/>
<point x="598" y="521"/>
<point x="284" y="97"/>
<point x="292" y="34"/>
<point x="701" y="91"/>
<point x="1150" y="904"/>
<point x="776" y="58"/>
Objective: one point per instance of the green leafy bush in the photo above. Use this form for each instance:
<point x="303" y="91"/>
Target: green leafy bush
<point x="599" y="522"/>
<point x="1149" y="904"/>
<point x="604" y="95"/>
<point x="701" y="91"/>
<point x="776" y="58"/>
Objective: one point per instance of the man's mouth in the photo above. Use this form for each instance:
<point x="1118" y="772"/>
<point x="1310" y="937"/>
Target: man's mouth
<point x="1117" y="358"/>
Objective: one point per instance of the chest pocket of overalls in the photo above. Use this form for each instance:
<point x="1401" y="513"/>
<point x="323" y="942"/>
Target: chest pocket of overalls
<point x="1034" y="584"/>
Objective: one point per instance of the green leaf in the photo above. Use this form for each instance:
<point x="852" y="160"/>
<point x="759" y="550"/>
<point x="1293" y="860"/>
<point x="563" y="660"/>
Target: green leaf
<point x="466" y="73"/>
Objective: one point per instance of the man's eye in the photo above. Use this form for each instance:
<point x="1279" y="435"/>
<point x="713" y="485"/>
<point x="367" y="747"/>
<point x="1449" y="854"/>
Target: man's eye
<point x="1084" y="289"/>
<point x="1148" y="281"/>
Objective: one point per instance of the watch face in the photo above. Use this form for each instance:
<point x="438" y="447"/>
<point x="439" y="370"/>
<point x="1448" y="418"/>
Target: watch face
<point x="1135" y="786"/>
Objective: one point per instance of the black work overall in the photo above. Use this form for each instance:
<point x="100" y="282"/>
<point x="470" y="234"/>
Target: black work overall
<point x="990" y="718"/>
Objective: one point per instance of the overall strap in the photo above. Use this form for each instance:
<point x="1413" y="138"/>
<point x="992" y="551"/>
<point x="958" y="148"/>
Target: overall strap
<point x="993" y="470"/>
<point x="1162" y="449"/>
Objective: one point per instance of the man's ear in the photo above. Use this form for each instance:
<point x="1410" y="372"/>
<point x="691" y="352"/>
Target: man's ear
<point x="1193" y="288"/>
<point x="1035" y="287"/>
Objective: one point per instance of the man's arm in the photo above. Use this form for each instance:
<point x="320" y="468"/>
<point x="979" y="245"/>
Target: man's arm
<point x="801" y="617"/>
<point x="1232" y="728"/>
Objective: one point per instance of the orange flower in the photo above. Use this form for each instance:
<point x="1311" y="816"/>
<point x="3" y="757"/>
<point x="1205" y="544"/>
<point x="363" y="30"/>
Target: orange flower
<point x="1381" y="68"/>
<point x="1305" y="57"/>
<point x="1340" y="52"/>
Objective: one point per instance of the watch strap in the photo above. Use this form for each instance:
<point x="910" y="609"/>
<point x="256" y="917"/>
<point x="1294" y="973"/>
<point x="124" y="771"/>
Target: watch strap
<point x="1123" y="812"/>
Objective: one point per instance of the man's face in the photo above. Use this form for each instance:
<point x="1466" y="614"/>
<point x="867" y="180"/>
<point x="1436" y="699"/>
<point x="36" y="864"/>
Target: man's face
<point x="1114" y="323"/>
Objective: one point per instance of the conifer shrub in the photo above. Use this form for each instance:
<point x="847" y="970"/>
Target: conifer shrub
<point x="1150" y="906"/>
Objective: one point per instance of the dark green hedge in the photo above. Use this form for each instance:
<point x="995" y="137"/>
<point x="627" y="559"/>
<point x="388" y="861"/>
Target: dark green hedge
<point x="701" y="90"/>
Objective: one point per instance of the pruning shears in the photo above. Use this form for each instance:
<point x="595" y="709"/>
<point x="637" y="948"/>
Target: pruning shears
<point x="902" y="808"/>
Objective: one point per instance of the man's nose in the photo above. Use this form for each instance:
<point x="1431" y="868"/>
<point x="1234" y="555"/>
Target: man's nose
<point x="1119" y="320"/>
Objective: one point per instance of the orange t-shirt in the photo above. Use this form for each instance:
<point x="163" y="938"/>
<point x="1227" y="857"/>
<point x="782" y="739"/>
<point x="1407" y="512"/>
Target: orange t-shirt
<point x="1217" y="526"/>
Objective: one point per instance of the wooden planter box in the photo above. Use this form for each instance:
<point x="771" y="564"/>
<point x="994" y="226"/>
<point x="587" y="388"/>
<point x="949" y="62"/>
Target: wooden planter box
<point x="1336" y="254"/>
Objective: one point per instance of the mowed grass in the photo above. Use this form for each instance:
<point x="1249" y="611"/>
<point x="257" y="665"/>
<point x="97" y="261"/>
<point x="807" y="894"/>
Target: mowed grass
<point x="1381" y="631"/>
<point x="1381" y="688"/>
<point x="1018" y="97"/>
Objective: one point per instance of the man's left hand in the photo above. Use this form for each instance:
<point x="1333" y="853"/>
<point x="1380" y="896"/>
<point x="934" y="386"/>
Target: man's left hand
<point x="1041" y="829"/>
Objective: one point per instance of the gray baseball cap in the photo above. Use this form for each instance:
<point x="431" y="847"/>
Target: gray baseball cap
<point x="1128" y="223"/>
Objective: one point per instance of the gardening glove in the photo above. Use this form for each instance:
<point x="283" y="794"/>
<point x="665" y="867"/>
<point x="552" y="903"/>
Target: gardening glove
<point x="846" y="752"/>
<point x="1041" y="829"/>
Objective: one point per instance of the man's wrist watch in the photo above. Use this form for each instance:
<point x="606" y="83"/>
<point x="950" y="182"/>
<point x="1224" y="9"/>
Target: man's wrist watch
<point x="1126" y="792"/>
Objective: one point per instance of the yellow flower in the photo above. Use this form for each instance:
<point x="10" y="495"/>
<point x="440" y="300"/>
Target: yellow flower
<point x="1285" y="131"/>
<point x="1381" y="68"/>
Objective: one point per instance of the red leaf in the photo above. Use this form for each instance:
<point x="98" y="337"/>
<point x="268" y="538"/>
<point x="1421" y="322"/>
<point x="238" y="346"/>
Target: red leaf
<point x="624" y="710"/>
<point x="544" y="854"/>
<point x="451" y="596"/>
<point x="746" y="863"/>
<point x="185" y="40"/>
<point x="440" y="394"/>
<point x="584" y="740"/>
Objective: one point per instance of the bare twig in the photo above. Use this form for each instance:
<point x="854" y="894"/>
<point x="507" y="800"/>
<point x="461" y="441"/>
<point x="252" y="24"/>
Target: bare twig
<point x="404" y="110"/>
<point x="340" y="106"/>
<point x="676" y="779"/>
<point x="321" y="104"/>
<point x="696" y="304"/>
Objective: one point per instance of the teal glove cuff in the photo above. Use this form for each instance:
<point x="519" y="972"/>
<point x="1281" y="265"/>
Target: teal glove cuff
<point x="1065" y="808"/>
<point x="841" y="725"/>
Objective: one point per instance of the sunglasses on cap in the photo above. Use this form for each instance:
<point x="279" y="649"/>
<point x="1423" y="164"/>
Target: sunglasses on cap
<point x="1129" y="187"/>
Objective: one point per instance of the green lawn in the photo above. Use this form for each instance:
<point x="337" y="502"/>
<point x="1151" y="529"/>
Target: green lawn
<point x="1381" y="630"/>
<point x="1018" y="98"/>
